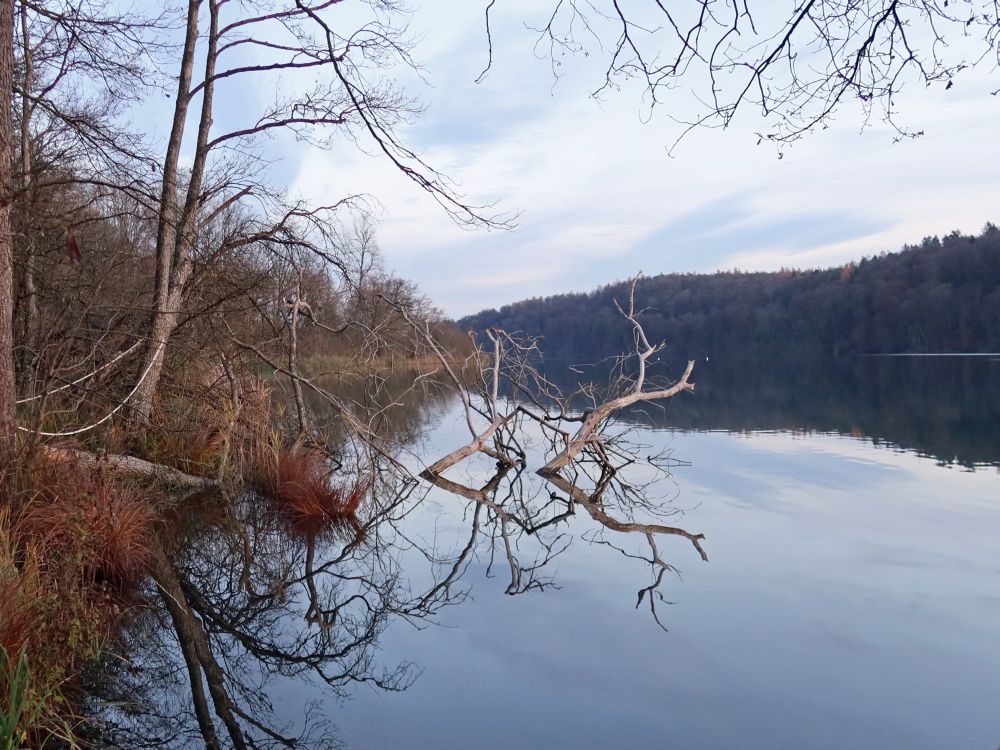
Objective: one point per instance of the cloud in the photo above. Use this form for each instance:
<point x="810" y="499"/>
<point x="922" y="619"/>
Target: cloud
<point x="728" y="232"/>
<point x="600" y="198"/>
<point x="517" y="277"/>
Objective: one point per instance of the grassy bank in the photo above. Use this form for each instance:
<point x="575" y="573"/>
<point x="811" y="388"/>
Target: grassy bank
<point x="81" y="535"/>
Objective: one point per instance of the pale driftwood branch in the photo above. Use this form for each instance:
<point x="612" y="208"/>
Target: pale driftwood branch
<point x="592" y="420"/>
<point x="479" y="438"/>
<point x="568" y="455"/>
<point x="609" y="522"/>
<point x="477" y="445"/>
<point x="130" y="465"/>
<point x="587" y="433"/>
<point x="643" y="348"/>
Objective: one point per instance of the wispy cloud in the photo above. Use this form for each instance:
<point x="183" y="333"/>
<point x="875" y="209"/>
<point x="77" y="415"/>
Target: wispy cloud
<point x="490" y="279"/>
<point x="601" y="199"/>
<point x="729" y="232"/>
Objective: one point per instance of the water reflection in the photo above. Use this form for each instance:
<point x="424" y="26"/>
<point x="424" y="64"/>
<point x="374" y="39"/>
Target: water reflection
<point x="241" y="602"/>
<point x="397" y="406"/>
<point x="946" y="408"/>
<point x="830" y="561"/>
<point x="849" y="603"/>
<point x="244" y="601"/>
<point x="515" y="511"/>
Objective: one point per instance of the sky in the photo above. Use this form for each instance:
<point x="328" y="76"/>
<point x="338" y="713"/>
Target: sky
<point x="597" y="196"/>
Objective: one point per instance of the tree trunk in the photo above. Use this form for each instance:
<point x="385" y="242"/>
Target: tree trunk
<point x="8" y="421"/>
<point x="164" y="318"/>
<point x="185" y="626"/>
<point x="130" y="465"/>
<point x="163" y="324"/>
<point x="178" y="226"/>
<point x="197" y="651"/>
<point x="29" y="315"/>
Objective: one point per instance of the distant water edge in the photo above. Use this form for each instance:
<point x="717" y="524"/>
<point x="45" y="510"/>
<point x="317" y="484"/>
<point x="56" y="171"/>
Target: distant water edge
<point x="935" y="354"/>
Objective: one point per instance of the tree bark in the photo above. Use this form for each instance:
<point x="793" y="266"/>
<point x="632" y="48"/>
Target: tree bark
<point x="131" y="465"/>
<point x="29" y="317"/>
<point x="165" y="312"/>
<point x="8" y="421"/>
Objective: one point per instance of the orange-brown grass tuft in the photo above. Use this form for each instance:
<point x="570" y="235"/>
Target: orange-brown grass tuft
<point x="74" y="545"/>
<point x="195" y="451"/>
<point x="47" y="617"/>
<point x="21" y="590"/>
<point x="300" y="483"/>
<point x="103" y="526"/>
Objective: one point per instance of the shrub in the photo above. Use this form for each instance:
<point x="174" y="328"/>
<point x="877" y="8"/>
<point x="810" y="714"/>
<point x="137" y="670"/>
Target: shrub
<point x="103" y="526"/>
<point x="300" y="483"/>
<point x="45" y="614"/>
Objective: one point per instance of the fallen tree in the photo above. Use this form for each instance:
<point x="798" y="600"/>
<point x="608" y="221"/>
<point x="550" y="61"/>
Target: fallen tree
<point x="585" y="463"/>
<point x="158" y="473"/>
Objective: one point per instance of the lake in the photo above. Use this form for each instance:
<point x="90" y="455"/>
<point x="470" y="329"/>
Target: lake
<point x="851" y="597"/>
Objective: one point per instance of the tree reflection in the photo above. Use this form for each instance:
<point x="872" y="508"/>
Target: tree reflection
<point x="247" y="609"/>
<point x="525" y="522"/>
<point x="578" y="454"/>
<point x="240" y="603"/>
<point x="246" y="605"/>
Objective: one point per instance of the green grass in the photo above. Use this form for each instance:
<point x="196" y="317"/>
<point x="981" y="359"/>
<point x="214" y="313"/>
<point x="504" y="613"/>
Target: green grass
<point x="25" y="719"/>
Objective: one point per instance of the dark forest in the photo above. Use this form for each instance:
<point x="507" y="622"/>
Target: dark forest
<point x="942" y="295"/>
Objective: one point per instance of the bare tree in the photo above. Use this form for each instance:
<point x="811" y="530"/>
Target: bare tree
<point x="514" y="398"/>
<point x="786" y="69"/>
<point x="349" y="96"/>
<point x="79" y="63"/>
<point x="69" y="62"/>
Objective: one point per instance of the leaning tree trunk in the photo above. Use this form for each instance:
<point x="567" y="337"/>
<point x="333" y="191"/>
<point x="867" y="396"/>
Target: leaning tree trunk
<point x="163" y="325"/>
<point x="176" y="225"/>
<point x="164" y="318"/>
<point x="8" y="423"/>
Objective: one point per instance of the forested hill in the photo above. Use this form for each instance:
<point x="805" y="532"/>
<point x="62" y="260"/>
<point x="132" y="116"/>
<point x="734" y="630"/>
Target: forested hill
<point x="940" y="296"/>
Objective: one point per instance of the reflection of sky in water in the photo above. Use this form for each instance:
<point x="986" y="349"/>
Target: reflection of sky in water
<point x="851" y="601"/>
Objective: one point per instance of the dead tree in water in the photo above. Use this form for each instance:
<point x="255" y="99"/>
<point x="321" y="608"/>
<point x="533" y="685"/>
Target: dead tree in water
<point x="584" y="464"/>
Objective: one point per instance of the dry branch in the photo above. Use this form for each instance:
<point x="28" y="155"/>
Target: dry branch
<point x="570" y="457"/>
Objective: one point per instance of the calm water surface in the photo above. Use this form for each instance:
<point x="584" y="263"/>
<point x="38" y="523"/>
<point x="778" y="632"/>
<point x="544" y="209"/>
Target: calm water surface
<point x="851" y="600"/>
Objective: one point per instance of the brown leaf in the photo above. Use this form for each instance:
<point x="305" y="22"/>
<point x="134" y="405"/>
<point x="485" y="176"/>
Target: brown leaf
<point x="72" y="248"/>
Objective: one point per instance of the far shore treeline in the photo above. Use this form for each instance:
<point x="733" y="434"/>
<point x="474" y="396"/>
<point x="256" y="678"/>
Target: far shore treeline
<point x="942" y="295"/>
